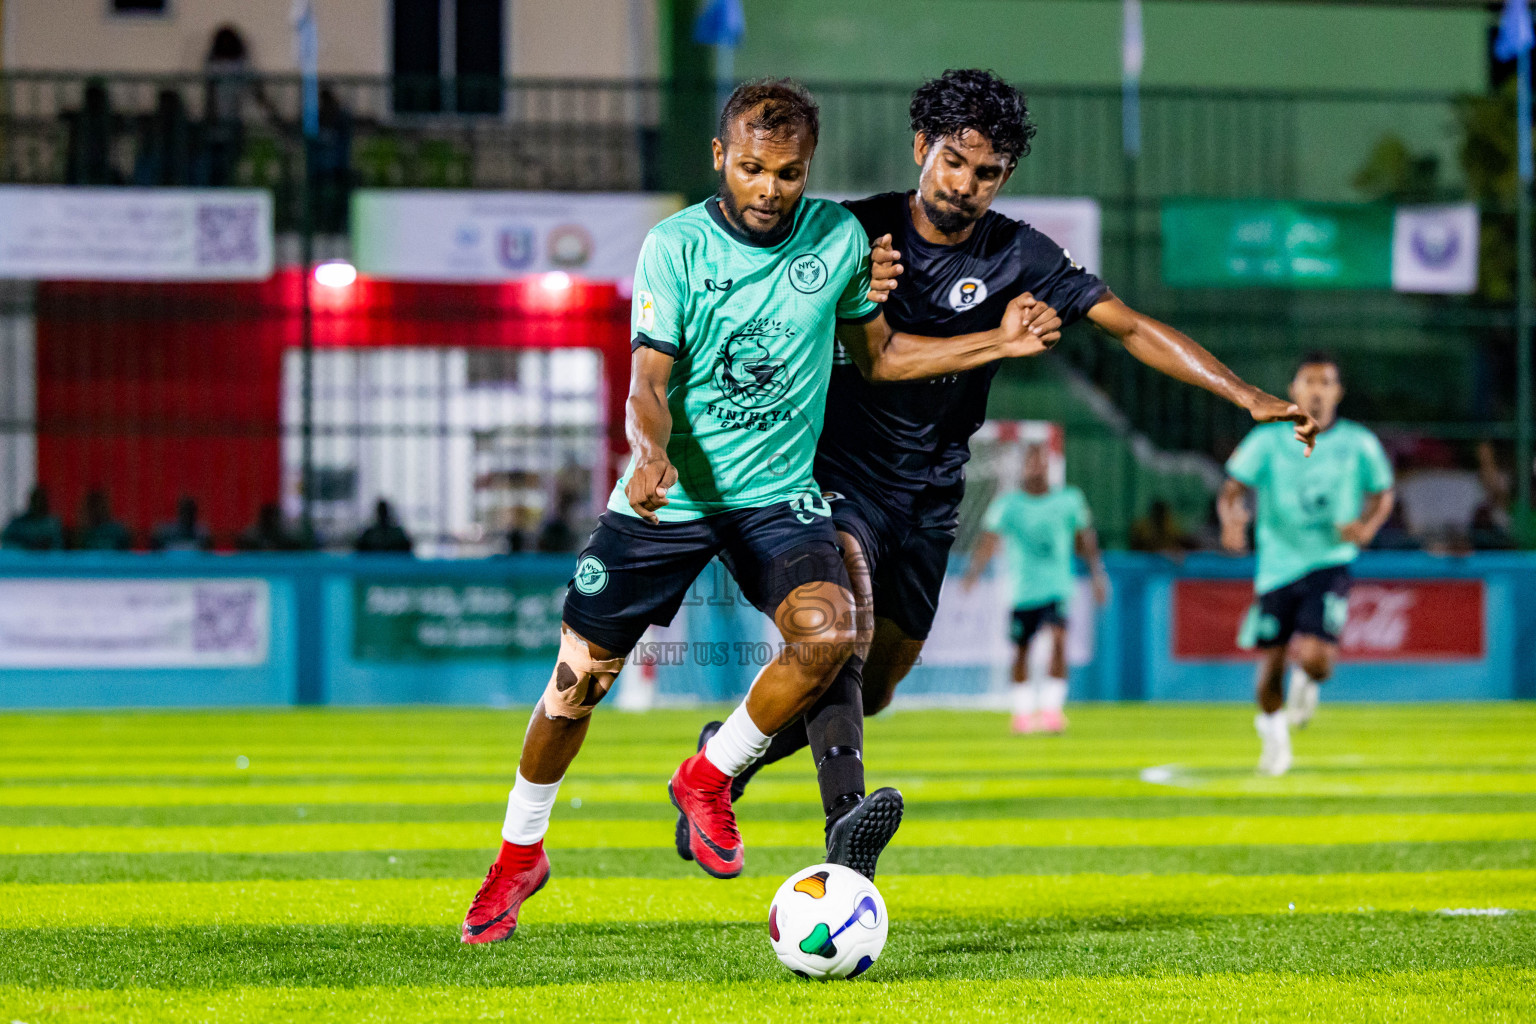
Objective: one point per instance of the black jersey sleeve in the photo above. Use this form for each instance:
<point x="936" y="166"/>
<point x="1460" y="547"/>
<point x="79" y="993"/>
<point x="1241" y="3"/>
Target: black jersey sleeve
<point x="1051" y="276"/>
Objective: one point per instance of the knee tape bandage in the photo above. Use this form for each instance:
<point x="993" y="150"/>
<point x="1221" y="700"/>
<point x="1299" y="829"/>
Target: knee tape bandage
<point x="579" y="680"/>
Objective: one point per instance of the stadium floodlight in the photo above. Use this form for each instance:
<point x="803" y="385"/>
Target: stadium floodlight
<point x="335" y="273"/>
<point x="556" y="282"/>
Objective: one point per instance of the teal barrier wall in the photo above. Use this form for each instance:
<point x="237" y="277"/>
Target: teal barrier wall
<point x="355" y="631"/>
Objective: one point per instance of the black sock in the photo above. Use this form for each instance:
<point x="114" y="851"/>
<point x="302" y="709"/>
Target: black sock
<point x="787" y="741"/>
<point x="835" y="728"/>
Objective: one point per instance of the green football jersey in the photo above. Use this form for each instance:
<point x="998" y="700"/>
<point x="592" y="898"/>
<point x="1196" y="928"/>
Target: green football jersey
<point x="1039" y="534"/>
<point x="751" y="328"/>
<point x="1303" y="501"/>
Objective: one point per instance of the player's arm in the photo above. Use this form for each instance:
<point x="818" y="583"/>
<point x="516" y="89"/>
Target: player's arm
<point x="648" y="427"/>
<point x="1028" y="328"/>
<point x="986" y="547"/>
<point x="1174" y="353"/>
<point x="1232" y="510"/>
<point x="1375" y="510"/>
<point x="1087" y="544"/>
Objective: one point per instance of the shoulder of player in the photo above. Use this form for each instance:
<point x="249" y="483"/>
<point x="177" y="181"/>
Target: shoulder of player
<point x="825" y="217"/>
<point x="689" y="224"/>
<point x="1074" y="492"/>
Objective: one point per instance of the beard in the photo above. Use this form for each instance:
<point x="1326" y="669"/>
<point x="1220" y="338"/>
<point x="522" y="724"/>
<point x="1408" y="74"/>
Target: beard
<point x="757" y="236"/>
<point x="949" y="221"/>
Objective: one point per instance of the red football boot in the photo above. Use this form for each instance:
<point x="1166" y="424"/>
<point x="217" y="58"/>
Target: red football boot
<point x="702" y="795"/>
<point x="512" y="879"/>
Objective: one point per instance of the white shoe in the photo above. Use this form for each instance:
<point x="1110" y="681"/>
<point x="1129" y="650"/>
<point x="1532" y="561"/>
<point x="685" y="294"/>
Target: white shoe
<point x="1301" y="702"/>
<point x="1275" y="735"/>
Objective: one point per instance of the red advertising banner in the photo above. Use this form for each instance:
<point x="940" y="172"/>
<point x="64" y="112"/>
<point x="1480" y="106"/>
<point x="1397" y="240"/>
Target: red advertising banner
<point x="1389" y="620"/>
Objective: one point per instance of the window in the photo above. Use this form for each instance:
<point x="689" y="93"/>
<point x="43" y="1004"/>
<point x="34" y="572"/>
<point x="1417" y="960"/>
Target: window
<point x="139" y="6"/>
<point x="447" y="56"/>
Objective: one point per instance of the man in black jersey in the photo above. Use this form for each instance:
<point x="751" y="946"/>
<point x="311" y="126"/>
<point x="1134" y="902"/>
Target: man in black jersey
<point x="891" y="459"/>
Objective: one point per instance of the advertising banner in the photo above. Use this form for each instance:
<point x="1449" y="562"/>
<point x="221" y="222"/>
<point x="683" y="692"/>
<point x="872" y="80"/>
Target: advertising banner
<point x="135" y="234"/>
<point x="444" y="620"/>
<point x="146" y="623"/>
<point x="1389" y="620"/>
<point x="1223" y="243"/>
<point x="417" y="235"/>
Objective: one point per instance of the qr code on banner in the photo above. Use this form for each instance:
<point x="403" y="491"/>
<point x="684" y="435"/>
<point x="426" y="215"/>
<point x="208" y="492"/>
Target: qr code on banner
<point x="226" y="234"/>
<point x="224" y="620"/>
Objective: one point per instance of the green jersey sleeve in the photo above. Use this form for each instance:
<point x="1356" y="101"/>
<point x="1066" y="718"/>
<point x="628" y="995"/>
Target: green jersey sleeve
<point x="1375" y="467"/>
<point x="657" y="309"/>
<point x="1247" y="464"/>
<point x="853" y="305"/>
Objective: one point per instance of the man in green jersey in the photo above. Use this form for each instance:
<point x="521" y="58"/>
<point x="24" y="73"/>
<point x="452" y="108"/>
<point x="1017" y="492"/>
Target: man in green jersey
<point x="1314" y="516"/>
<point x="1039" y="528"/>
<point x="736" y="305"/>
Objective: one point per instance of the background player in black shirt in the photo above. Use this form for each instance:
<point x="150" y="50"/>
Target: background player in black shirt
<point x="892" y="455"/>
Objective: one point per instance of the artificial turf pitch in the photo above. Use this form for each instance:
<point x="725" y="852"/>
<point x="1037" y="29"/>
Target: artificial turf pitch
<point x="1134" y="869"/>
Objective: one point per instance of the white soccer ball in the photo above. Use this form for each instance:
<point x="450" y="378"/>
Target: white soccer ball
<point x="826" y="922"/>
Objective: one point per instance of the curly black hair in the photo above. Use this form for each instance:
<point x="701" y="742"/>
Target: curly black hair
<point x="969" y="98"/>
<point x="786" y="106"/>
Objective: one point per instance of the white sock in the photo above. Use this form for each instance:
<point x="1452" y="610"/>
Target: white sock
<point x="1299" y="677"/>
<point x="1024" y="698"/>
<point x="1053" y="694"/>
<point x="1274" y="723"/>
<point x="738" y="743"/>
<point x="528" y="807"/>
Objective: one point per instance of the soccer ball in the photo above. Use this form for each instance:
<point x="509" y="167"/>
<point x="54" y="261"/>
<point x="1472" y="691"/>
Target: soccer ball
<point x="826" y="922"/>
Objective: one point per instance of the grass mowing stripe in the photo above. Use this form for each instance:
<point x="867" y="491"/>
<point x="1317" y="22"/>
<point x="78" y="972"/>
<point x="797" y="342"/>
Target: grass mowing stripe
<point x="1176" y="831"/>
<point x="781" y="861"/>
<point x="601" y="900"/>
<point x="749" y="810"/>
<point x="1334" y="946"/>
<point x="785" y="787"/>
<point x="1480" y="995"/>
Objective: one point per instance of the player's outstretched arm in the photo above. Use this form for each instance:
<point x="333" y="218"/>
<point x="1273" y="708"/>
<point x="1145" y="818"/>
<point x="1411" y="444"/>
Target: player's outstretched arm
<point x="1087" y="543"/>
<point x="986" y="547"/>
<point x="1028" y="328"/>
<point x="1170" y="351"/>
<point x="1232" y="510"/>
<point x="648" y="427"/>
<point x="1375" y="510"/>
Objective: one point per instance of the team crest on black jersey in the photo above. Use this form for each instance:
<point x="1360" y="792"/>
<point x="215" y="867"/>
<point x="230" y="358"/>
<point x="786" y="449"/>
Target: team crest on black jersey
<point x="968" y="293"/>
<point x="808" y="274"/>
<point x="747" y="373"/>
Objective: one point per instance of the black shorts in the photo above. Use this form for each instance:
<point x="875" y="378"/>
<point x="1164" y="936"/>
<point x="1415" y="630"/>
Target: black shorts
<point x="633" y="574"/>
<point x="1315" y="605"/>
<point x="1029" y="621"/>
<point x="906" y="561"/>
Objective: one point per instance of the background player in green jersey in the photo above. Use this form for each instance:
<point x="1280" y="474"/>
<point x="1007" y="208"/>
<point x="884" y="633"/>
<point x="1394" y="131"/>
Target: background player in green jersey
<point x="1314" y="516"/>
<point x="736" y="304"/>
<point x="1039" y="527"/>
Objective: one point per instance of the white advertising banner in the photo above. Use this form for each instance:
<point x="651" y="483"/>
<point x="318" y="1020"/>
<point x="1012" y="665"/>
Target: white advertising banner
<point x="135" y="234"/>
<point x="1435" y="249"/>
<point x="414" y="235"/>
<point x="140" y="623"/>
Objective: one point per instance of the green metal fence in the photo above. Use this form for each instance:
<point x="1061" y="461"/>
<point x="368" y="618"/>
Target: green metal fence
<point x="1447" y="362"/>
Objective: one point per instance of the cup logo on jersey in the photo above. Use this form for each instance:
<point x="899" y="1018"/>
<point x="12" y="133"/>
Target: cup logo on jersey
<point x="807" y="273"/>
<point x="747" y="373"/>
<point x="968" y="293"/>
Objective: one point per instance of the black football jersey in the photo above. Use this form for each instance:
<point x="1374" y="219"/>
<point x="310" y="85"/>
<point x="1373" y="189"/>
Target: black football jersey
<point x="908" y="441"/>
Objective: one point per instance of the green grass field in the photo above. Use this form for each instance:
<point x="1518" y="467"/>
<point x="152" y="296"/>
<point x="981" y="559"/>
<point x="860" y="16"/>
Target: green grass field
<point x="314" y="866"/>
